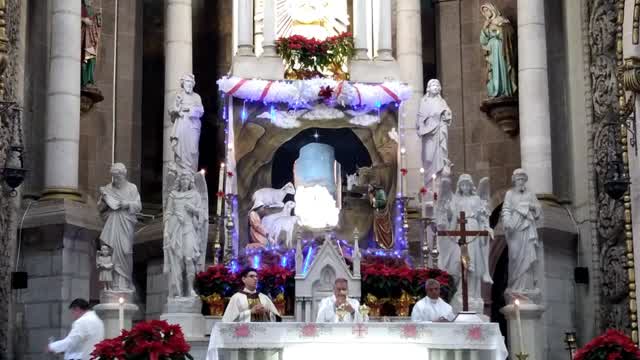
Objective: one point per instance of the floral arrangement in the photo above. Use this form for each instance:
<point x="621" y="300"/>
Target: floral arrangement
<point x="216" y="279"/>
<point x="275" y="280"/>
<point x="308" y="58"/>
<point x="387" y="281"/>
<point x="612" y="345"/>
<point x="148" y="340"/>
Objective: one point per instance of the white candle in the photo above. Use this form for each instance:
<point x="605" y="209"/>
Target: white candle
<point x="517" y="308"/>
<point x="121" y="313"/>
<point x="220" y="190"/>
<point x="403" y="177"/>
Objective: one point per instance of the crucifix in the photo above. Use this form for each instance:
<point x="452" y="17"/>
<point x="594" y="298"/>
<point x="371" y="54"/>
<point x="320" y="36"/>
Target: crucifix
<point x="464" y="253"/>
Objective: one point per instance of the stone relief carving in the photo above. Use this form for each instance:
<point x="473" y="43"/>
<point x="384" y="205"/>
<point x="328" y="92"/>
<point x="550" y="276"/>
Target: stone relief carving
<point x="610" y="222"/>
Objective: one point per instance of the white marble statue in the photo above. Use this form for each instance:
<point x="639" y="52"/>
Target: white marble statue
<point x="286" y="224"/>
<point x="104" y="266"/>
<point x="520" y="213"/>
<point x="268" y="222"/>
<point x="433" y="121"/>
<point x="119" y="202"/>
<point x="474" y="204"/>
<point x="272" y="198"/>
<point x="185" y="113"/>
<point x="185" y="233"/>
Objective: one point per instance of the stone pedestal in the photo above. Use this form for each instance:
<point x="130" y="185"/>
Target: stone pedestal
<point x="532" y="330"/>
<point x="186" y="312"/>
<point x="374" y="71"/>
<point x="504" y="112"/>
<point x="110" y="315"/>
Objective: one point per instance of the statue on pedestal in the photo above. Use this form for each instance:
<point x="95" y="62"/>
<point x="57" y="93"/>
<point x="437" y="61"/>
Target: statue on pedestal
<point x="520" y="213"/>
<point x="434" y="119"/>
<point x="91" y="27"/>
<point x="185" y="113"/>
<point x="105" y="267"/>
<point x="497" y="40"/>
<point x="119" y="202"/>
<point x="474" y="204"/>
<point x="185" y="233"/>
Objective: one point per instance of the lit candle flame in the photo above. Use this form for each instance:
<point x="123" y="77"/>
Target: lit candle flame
<point x="121" y="301"/>
<point x="203" y="172"/>
<point x="403" y="150"/>
<point x="517" y="302"/>
<point x="421" y="170"/>
<point x="221" y="165"/>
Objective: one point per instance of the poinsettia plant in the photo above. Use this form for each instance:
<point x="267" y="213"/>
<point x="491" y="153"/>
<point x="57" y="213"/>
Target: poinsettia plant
<point x="216" y="279"/>
<point x="612" y="345"/>
<point x="275" y="280"/>
<point x="148" y="340"/>
<point x="307" y="58"/>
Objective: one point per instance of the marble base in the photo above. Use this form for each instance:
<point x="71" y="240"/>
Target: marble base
<point x="186" y="312"/>
<point x="113" y="296"/>
<point x="264" y="67"/>
<point x="533" y="337"/>
<point x="374" y="71"/>
<point x="110" y="315"/>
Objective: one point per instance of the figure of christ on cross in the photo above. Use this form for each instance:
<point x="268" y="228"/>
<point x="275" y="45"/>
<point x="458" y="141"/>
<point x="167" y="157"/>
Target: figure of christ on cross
<point x="464" y="253"/>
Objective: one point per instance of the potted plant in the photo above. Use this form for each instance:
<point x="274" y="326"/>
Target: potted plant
<point x="214" y="285"/>
<point x="612" y="345"/>
<point x="276" y="281"/>
<point x="148" y="340"/>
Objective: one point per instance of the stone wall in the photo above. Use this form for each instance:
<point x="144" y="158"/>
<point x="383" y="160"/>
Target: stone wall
<point x="156" y="289"/>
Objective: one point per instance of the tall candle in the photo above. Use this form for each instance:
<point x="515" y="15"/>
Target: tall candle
<point x="220" y="190"/>
<point x="403" y="178"/>
<point x="121" y="313"/>
<point x="517" y="308"/>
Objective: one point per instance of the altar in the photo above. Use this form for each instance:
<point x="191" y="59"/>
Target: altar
<point x="406" y="340"/>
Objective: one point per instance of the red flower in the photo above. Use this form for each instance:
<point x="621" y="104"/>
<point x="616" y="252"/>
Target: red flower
<point x="423" y="190"/>
<point x="230" y="173"/>
<point x="403" y="171"/>
<point x="613" y="344"/>
<point x="325" y="92"/>
<point x="220" y="194"/>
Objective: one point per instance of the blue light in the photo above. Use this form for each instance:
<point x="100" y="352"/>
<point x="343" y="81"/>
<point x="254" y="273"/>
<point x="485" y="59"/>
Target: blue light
<point x="378" y="104"/>
<point x="256" y="261"/>
<point x="307" y="261"/>
<point x="234" y="266"/>
<point x="283" y="261"/>
<point x="273" y="113"/>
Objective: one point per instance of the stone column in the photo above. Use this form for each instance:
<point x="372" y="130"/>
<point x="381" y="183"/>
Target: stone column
<point x="62" y="132"/>
<point x="409" y="57"/>
<point x="384" y="31"/>
<point x="269" y="28"/>
<point x="245" y="27"/>
<point x="535" y="127"/>
<point x="178" y="61"/>
<point x="530" y="329"/>
<point x="360" y="29"/>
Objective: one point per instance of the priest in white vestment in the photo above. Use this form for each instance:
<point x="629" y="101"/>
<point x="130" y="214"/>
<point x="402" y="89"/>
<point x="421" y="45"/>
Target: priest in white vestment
<point x="248" y="305"/>
<point x="432" y="307"/>
<point x="339" y="307"/>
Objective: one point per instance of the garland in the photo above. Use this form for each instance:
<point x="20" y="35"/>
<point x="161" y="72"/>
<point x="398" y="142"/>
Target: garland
<point x="303" y="94"/>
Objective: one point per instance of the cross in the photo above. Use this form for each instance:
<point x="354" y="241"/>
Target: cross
<point x="359" y="330"/>
<point x="464" y="252"/>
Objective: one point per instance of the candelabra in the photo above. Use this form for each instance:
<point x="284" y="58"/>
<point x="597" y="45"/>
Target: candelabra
<point x="426" y="251"/>
<point x="218" y="223"/>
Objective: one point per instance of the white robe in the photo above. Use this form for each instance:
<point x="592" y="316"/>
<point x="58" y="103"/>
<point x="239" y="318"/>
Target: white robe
<point x="86" y="332"/>
<point x="327" y="311"/>
<point x="238" y="308"/>
<point x="429" y="310"/>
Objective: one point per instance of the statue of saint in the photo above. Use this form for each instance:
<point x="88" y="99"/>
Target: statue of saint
<point x="434" y="119"/>
<point x="91" y="25"/>
<point x="474" y="204"/>
<point x="520" y="213"/>
<point x="119" y="202"/>
<point x="497" y="39"/>
<point x="382" y="225"/>
<point x="185" y="227"/>
<point x="185" y="113"/>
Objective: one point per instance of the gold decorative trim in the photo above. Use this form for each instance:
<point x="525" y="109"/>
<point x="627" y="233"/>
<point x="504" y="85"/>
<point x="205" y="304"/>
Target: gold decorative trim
<point x="627" y="76"/>
<point x="61" y="193"/>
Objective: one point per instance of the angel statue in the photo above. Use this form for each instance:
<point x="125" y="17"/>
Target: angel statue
<point x="185" y="231"/>
<point x="475" y="206"/>
<point x="185" y="114"/>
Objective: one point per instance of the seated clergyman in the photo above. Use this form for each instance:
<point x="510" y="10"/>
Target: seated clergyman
<point x="339" y="307"/>
<point x="432" y="307"/>
<point x="248" y="305"/>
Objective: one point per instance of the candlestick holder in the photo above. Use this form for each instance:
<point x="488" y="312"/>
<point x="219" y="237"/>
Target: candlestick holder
<point x="218" y="222"/>
<point x="426" y="251"/>
<point x="434" y="247"/>
<point x="522" y="356"/>
<point x="228" y="253"/>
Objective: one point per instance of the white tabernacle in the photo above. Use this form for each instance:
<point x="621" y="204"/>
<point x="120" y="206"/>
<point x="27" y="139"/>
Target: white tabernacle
<point x="292" y="341"/>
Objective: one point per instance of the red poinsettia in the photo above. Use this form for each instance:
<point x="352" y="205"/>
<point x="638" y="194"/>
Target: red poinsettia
<point x="216" y="279"/>
<point x="274" y="279"/>
<point x="153" y="339"/>
<point x="220" y="194"/>
<point x="423" y="190"/>
<point x="613" y="344"/>
<point x="404" y="171"/>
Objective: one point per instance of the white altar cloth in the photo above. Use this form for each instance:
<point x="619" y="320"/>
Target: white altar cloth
<point x="378" y="340"/>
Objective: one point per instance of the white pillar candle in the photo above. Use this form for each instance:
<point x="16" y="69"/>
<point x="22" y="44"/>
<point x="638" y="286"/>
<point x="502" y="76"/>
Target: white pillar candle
<point x="220" y="190"/>
<point x="519" y="323"/>
<point x="121" y="313"/>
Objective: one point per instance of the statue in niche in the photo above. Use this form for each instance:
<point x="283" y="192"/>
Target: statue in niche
<point x="185" y="113"/>
<point x="520" y="213"/>
<point x="497" y="39"/>
<point x="382" y="226"/>
<point x="474" y="204"/>
<point x="119" y="202"/>
<point x="91" y="26"/>
<point x="185" y="232"/>
<point x="434" y="119"/>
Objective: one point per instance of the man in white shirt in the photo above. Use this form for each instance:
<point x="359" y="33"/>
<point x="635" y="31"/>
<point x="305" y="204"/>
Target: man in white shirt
<point x="86" y="331"/>
<point x="432" y="307"/>
<point x="249" y="305"/>
<point x="338" y="307"/>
